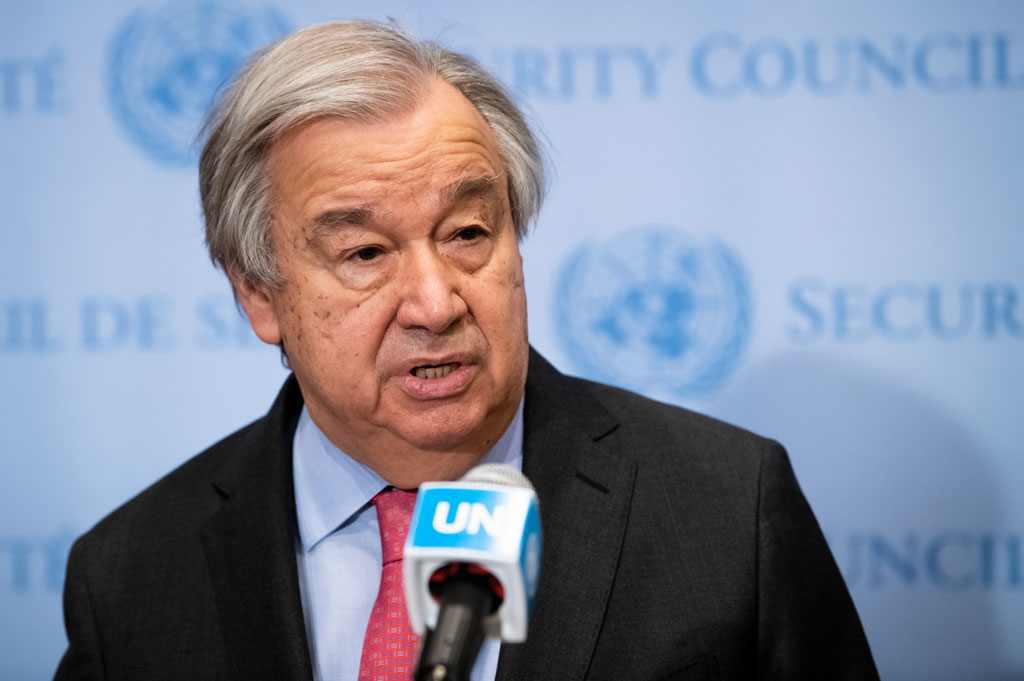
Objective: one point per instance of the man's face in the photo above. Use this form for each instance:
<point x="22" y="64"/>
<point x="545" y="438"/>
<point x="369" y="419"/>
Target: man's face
<point x="403" y="313"/>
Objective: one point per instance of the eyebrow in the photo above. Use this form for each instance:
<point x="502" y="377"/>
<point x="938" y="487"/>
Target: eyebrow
<point x="473" y="188"/>
<point x="332" y="221"/>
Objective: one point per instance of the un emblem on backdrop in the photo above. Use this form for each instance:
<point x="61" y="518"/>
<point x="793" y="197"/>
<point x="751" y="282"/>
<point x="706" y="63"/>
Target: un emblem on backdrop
<point x="652" y="309"/>
<point x="167" y="64"/>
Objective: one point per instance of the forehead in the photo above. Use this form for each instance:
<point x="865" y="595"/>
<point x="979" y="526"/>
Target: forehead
<point x="444" y="139"/>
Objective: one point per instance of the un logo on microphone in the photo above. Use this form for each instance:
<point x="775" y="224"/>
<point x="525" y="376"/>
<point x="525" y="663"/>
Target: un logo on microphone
<point x="653" y="309"/>
<point x="167" y="64"/>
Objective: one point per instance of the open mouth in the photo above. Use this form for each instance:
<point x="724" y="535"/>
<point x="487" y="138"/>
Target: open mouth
<point x="439" y="371"/>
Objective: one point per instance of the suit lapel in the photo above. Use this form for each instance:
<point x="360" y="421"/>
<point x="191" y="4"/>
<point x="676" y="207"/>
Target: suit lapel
<point x="585" y="492"/>
<point x="250" y="549"/>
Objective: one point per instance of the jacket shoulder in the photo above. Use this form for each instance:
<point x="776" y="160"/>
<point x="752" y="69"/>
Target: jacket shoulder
<point x="176" y="504"/>
<point x="182" y="496"/>
<point x="648" y="426"/>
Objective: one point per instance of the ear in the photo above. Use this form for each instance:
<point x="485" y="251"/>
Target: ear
<point x="258" y="302"/>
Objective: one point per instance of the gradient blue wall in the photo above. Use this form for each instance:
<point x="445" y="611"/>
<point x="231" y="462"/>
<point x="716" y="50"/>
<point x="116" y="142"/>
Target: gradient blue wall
<point x="802" y="217"/>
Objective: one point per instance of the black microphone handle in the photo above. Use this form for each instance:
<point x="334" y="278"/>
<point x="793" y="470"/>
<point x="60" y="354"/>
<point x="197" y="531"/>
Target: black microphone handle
<point x="449" y="651"/>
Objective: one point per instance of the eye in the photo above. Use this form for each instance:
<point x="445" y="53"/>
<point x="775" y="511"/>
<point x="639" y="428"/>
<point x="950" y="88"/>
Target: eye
<point x="368" y="253"/>
<point x="469" y="233"/>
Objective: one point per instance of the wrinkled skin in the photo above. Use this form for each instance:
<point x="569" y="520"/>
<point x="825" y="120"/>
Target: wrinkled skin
<point x="398" y="252"/>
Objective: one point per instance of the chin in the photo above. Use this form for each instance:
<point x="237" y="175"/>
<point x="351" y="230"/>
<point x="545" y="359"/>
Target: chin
<point x="444" y="440"/>
<point x="456" y="429"/>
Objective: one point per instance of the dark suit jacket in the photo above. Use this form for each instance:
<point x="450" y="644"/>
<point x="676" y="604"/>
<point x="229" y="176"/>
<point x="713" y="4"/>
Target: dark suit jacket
<point x="675" y="547"/>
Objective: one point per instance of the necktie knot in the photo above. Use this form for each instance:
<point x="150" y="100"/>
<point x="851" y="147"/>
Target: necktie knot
<point x="394" y="513"/>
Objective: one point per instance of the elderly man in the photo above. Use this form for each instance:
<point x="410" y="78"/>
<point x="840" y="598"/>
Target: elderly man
<point x="366" y="193"/>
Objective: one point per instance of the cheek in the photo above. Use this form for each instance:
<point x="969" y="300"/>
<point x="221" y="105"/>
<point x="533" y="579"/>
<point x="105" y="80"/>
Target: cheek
<point x="328" y="329"/>
<point x="350" y="335"/>
<point x="502" y="297"/>
<point x="293" y="321"/>
<point x="322" y="318"/>
<point x="516" y="283"/>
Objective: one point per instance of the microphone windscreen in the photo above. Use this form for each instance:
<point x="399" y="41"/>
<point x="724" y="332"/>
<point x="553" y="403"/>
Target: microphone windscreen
<point x="497" y="474"/>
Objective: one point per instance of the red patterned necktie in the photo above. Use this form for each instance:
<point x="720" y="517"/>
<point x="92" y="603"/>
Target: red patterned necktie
<point x="389" y="648"/>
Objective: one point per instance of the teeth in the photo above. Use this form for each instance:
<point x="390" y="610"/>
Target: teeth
<point x="434" y="372"/>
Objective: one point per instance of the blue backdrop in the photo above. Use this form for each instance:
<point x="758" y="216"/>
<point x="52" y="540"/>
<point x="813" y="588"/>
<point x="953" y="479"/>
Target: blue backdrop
<point x="803" y="217"/>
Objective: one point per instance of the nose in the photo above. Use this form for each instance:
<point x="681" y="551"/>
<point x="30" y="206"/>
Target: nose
<point x="429" y="293"/>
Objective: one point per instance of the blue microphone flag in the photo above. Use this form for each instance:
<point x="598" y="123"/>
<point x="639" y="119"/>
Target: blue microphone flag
<point x="493" y="526"/>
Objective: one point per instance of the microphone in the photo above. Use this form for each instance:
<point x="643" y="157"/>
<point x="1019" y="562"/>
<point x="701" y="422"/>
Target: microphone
<point x="471" y="563"/>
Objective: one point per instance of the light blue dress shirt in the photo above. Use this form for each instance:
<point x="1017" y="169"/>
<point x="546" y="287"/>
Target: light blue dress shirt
<point x="339" y="554"/>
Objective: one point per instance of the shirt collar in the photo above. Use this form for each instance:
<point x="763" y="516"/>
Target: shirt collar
<point x="332" y="489"/>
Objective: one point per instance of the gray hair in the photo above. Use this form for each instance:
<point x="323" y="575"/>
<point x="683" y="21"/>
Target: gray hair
<point x="355" y="70"/>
